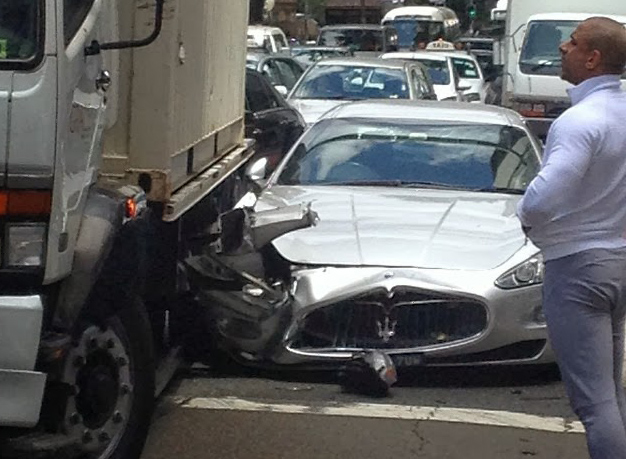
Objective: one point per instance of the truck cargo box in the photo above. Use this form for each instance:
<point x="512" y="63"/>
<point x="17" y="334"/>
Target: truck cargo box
<point x="176" y="106"/>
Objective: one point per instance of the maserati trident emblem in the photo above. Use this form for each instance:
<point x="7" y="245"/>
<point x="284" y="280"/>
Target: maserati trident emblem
<point x="386" y="331"/>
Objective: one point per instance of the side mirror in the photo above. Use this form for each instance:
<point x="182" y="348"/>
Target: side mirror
<point x="257" y="170"/>
<point x="282" y="90"/>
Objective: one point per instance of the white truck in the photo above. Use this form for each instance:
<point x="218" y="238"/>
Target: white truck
<point x="534" y="30"/>
<point x="121" y="139"/>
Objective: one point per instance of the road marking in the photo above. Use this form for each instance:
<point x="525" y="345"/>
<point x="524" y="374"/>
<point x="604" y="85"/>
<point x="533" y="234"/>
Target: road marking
<point x="400" y="412"/>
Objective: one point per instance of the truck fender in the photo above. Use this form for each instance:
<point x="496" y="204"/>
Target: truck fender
<point x="102" y="219"/>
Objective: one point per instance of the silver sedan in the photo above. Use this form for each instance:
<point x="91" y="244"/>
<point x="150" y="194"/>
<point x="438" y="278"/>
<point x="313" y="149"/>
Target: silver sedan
<point x="390" y="225"/>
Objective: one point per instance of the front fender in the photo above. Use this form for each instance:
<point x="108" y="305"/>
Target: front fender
<point x="102" y="220"/>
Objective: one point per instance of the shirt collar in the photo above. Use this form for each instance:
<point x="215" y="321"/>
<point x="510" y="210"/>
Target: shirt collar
<point x="582" y="90"/>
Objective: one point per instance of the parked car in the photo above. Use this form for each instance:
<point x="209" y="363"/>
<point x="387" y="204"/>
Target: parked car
<point x="390" y="225"/>
<point x="273" y="39"/>
<point x="309" y="55"/>
<point x="331" y="82"/>
<point x="282" y="71"/>
<point x="271" y="121"/>
<point x="444" y="76"/>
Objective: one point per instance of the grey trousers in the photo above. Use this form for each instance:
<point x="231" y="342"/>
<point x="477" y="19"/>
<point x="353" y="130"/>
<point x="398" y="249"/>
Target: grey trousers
<point x="584" y="301"/>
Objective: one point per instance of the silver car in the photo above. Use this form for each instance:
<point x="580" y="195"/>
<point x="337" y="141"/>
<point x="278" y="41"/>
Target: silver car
<point x="334" y="81"/>
<point x="390" y="225"/>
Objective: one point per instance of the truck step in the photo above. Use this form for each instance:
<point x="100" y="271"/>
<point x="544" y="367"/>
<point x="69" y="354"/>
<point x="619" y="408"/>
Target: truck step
<point x="40" y="445"/>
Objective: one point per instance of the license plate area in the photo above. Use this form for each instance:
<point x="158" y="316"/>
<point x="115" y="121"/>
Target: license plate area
<point x="407" y="360"/>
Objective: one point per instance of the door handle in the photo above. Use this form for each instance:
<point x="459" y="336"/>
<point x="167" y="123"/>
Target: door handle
<point x="103" y="82"/>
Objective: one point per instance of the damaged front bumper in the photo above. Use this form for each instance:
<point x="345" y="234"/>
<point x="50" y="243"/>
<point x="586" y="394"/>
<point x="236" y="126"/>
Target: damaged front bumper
<point x="325" y="315"/>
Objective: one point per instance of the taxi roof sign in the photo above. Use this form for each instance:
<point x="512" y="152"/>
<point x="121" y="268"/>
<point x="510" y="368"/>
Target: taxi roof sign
<point x="440" y="45"/>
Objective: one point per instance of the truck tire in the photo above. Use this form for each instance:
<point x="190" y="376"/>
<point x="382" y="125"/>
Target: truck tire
<point x="111" y="373"/>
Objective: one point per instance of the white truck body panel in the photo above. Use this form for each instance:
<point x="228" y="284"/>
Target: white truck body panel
<point x="179" y="101"/>
<point x="515" y="83"/>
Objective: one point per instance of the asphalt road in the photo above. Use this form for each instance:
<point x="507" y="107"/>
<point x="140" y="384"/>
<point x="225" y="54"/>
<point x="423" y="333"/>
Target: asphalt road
<point x="440" y="414"/>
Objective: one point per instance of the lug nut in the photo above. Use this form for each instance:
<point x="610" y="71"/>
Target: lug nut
<point x="110" y="344"/>
<point x="125" y="389"/>
<point x="117" y="417"/>
<point x="121" y="361"/>
<point x="104" y="437"/>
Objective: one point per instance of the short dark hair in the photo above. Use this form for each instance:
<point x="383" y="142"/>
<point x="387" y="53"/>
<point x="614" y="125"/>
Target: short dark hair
<point x="609" y="38"/>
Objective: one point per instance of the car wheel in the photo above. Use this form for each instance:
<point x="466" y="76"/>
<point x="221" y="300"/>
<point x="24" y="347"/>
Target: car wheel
<point x="110" y="370"/>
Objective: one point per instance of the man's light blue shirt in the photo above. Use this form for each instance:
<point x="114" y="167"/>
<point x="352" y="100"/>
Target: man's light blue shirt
<point x="578" y="200"/>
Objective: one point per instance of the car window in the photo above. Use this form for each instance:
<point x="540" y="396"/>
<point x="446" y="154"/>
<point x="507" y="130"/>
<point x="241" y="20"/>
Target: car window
<point x="438" y="71"/>
<point x="259" y="96"/>
<point x="466" y="68"/>
<point x="280" y="41"/>
<point x="270" y="70"/>
<point x="289" y="72"/>
<point x="353" y="82"/>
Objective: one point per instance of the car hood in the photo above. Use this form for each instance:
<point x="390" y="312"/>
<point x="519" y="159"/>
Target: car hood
<point x="312" y="109"/>
<point x="400" y="227"/>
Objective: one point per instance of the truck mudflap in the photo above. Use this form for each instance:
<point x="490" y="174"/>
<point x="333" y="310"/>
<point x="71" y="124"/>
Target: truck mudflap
<point x="21" y="388"/>
<point x="248" y="310"/>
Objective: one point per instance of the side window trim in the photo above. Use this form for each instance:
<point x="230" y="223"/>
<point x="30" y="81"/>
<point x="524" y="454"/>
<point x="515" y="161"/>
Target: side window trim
<point x="74" y="14"/>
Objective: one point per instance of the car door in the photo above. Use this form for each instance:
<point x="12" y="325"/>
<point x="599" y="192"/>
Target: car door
<point x="272" y="123"/>
<point x="422" y="87"/>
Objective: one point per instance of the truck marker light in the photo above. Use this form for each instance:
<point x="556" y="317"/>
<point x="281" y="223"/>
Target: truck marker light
<point x="131" y="208"/>
<point x="25" y="202"/>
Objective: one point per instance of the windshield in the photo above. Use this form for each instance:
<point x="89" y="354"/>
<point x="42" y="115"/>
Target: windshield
<point x="357" y="39"/>
<point x="412" y="31"/>
<point x="540" y="51"/>
<point x="466" y="68"/>
<point x="408" y="153"/>
<point x="438" y="71"/>
<point x="352" y="82"/>
<point x="19" y="30"/>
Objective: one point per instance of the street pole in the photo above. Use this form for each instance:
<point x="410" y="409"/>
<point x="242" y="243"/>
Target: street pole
<point x="306" y="21"/>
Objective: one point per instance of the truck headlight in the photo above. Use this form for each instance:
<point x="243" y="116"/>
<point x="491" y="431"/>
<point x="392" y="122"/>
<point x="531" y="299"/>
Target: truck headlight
<point x="528" y="273"/>
<point x="25" y="245"/>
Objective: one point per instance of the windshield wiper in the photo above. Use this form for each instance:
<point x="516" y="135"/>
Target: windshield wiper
<point x="496" y="189"/>
<point x="395" y="184"/>
<point x="546" y="63"/>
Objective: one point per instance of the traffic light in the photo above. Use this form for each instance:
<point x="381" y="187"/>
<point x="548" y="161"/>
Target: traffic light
<point x="471" y="11"/>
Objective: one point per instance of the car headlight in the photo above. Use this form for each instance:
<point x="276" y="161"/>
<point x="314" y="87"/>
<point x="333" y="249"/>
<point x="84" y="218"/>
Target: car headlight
<point x="528" y="273"/>
<point x="25" y="245"/>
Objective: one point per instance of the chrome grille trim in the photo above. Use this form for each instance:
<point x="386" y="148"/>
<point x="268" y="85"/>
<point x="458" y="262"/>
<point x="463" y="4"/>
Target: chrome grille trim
<point x="404" y="318"/>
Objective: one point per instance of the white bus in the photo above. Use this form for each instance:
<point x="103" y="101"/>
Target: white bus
<point x="419" y="25"/>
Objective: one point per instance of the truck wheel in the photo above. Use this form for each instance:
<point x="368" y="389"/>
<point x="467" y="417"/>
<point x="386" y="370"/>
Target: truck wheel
<point x="111" y="372"/>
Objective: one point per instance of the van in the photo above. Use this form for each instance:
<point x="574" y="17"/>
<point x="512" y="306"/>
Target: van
<point x="417" y="26"/>
<point x="271" y="39"/>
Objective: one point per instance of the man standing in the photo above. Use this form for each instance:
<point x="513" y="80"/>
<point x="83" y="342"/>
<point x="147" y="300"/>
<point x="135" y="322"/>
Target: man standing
<point x="575" y="212"/>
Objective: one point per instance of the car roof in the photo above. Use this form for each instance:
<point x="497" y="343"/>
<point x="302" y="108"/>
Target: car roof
<point x="427" y="110"/>
<point x="433" y="55"/>
<point x="262" y="28"/>
<point x="364" y="62"/>
<point x="456" y="54"/>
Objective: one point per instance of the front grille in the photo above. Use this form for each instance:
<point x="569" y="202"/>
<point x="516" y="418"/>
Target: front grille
<point x="404" y="318"/>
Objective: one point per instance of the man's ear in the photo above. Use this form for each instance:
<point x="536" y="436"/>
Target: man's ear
<point x="594" y="60"/>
